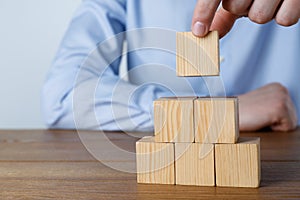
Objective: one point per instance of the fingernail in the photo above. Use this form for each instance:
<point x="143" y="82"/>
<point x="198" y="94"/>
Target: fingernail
<point x="199" y="29"/>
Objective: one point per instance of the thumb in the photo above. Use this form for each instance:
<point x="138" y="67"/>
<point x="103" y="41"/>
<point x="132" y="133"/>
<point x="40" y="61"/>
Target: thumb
<point x="223" y="21"/>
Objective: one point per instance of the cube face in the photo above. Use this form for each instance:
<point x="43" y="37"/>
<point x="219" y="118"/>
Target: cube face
<point x="174" y="120"/>
<point x="197" y="56"/>
<point x="194" y="164"/>
<point x="155" y="162"/>
<point x="216" y="120"/>
<point x="238" y="165"/>
<point x="195" y="139"/>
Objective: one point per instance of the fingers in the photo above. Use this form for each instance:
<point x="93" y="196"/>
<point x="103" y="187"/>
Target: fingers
<point x="237" y="7"/>
<point x="223" y="22"/>
<point x="289" y="120"/>
<point x="286" y="124"/>
<point x="293" y="115"/>
<point x="287" y="116"/>
<point x="289" y="13"/>
<point x="286" y="13"/>
<point x="264" y="11"/>
<point x="203" y="16"/>
<point x="268" y="106"/>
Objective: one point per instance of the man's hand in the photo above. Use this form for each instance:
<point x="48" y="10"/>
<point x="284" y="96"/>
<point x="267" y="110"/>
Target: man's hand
<point x="206" y="17"/>
<point x="269" y="106"/>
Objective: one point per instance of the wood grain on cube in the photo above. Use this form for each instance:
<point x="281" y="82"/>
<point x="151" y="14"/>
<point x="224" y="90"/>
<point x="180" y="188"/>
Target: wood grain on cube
<point x="238" y="165"/>
<point x="155" y="162"/>
<point x="174" y="119"/>
<point x="197" y="56"/>
<point x="216" y="120"/>
<point x="194" y="164"/>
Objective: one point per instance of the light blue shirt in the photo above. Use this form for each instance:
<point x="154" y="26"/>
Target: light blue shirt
<point x="84" y="90"/>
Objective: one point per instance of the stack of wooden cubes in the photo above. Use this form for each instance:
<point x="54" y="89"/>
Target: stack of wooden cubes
<point x="196" y="140"/>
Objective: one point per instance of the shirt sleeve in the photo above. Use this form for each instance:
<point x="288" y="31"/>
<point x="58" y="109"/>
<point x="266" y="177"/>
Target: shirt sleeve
<point x="83" y="89"/>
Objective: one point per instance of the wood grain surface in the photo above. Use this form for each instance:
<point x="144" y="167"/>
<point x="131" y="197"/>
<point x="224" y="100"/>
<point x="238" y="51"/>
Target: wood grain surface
<point x="197" y="56"/>
<point x="174" y="119"/>
<point x="238" y="165"/>
<point x="155" y="161"/>
<point x="216" y="120"/>
<point x="43" y="164"/>
<point x="195" y="164"/>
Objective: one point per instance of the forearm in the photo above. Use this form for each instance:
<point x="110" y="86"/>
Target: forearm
<point x="113" y="104"/>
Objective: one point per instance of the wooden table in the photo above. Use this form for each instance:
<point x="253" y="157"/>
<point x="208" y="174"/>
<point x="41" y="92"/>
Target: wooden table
<point x="44" y="164"/>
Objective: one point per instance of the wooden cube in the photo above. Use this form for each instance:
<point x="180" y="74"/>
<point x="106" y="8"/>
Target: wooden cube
<point x="155" y="162"/>
<point x="238" y="165"/>
<point x="174" y="119"/>
<point x="216" y="120"/>
<point x="194" y="164"/>
<point x="197" y="56"/>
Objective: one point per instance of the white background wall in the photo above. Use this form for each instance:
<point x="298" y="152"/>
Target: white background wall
<point x="30" y="32"/>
